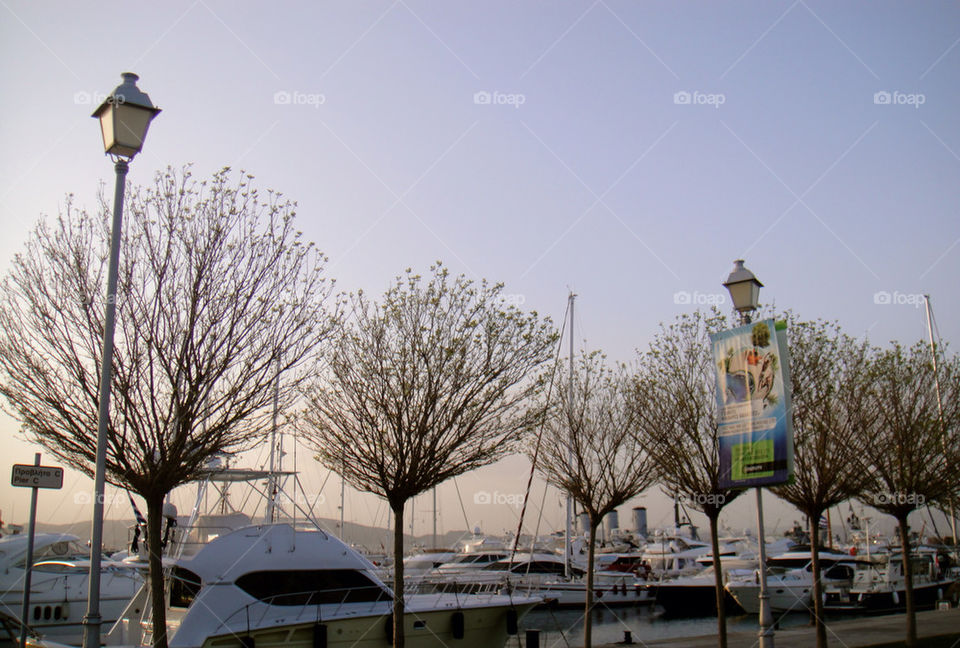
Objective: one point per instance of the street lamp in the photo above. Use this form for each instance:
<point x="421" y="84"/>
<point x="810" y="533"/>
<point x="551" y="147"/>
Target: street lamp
<point x="124" y="118"/>
<point x="744" y="290"/>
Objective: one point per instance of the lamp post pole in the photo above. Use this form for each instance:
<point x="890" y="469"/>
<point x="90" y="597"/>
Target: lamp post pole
<point x="744" y="290"/>
<point x="124" y="118"/>
<point x="766" y="614"/>
<point x="91" y="622"/>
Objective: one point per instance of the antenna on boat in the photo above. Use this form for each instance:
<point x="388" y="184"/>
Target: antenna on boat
<point x="567" y="545"/>
<point x="936" y="382"/>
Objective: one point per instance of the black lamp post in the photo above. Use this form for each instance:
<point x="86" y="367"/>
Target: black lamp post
<point x="744" y="290"/>
<point x="124" y="118"/>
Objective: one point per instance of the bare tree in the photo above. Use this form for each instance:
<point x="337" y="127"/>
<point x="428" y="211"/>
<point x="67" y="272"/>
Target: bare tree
<point x="675" y="398"/>
<point x="429" y="383"/>
<point x="912" y="453"/>
<point x="589" y="449"/>
<point x="217" y="298"/>
<point x="829" y="372"/>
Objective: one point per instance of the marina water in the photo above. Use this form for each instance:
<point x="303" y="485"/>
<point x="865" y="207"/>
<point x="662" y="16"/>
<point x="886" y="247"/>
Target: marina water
<point x="565" y="627"/>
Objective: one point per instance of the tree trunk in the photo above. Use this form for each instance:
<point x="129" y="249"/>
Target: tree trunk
<point x="155" y="561"/>
<point x="398" y="575"/>
<point x="908" y="582"/>
<point x="718" y="581"/>
<point x="588" y="604"/>
<point x="817" y="594"/>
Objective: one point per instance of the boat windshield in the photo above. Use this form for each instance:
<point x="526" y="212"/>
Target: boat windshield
<point x="62" y="550"/>
<point x="312" y="587"/>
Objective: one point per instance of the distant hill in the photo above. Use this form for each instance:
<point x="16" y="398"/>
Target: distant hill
<point x="116" y="535"/>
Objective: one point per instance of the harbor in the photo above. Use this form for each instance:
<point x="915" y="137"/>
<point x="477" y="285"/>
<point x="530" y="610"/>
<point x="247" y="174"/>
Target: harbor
<point x="406" y="324"/>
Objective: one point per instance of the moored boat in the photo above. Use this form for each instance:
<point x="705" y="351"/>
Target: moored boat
<point x="790" y="580"/>
<point x="59" y="583"/>
<point x="280" y="586"/>
<point x="879" y="586"/>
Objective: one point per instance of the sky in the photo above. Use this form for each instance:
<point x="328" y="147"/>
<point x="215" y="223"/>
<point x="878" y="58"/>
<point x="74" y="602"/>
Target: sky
<point x="626" y="151"/>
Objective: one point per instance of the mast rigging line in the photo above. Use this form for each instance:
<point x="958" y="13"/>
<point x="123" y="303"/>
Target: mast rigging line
<point x="536" y="449"/>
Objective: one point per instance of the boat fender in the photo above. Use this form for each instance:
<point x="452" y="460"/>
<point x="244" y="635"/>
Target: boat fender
<point x="320" y="635"/>
<point x="939" y="593"/>
<point x="511" y="622"/>
<point x="248" y="642"/>
<point x="896" y="599"/>
<point x="457" y="625"/>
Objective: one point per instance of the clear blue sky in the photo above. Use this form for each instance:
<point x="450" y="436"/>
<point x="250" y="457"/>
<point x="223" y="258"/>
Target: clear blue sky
<point x="629" y="151"/>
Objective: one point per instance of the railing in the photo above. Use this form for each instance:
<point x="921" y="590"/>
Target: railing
<point x="314" y="600"/>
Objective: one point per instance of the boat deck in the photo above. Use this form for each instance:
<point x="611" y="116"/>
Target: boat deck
<point x="935" y="629"/>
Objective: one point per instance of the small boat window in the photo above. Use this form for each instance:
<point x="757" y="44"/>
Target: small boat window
<point x="184" y="586"/>
<point x="844" y="572"/>
<point x="311" y="587"/>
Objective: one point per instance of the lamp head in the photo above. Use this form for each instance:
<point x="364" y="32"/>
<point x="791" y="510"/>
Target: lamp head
<point x="125" y="117"/>
<point x="744" y="288"/>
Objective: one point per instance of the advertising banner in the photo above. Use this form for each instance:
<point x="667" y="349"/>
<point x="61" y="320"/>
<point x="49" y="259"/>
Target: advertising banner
<point x="753" y="401"/>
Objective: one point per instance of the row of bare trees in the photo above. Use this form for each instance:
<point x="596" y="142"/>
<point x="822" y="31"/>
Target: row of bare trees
<point x="869" y="423"/>
<point x="225" y="313"/>
<point x="220" y="302"/>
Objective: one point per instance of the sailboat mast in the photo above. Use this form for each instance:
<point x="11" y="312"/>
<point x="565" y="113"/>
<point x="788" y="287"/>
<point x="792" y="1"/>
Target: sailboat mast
<point x="343" y="488"/>
<point x="936" y="382"/>
<point x="567" y="546"/>
<point x="272" y="479"/>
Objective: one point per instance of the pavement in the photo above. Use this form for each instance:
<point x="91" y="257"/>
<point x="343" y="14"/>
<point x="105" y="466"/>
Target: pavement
<point x="935" y="629"/>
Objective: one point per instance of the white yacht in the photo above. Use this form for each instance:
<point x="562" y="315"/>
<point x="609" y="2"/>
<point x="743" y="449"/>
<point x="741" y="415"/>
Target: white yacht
<point x="879" y="585"/>
<point x="280" y="586"/>
<point x="522" y="572"/>
<point x="58" y="584"/>
<point x="424" y="562"/>
<point x="543" y="575"/>
<point x="790" y="580"/>
<point x="674" y="555"/>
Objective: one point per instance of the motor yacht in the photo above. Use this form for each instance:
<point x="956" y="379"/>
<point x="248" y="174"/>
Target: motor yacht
<point x="879" y="586"/>
<point x="59" y="584"/>
<point x="790" y="580"/>
<point x="285" y="587"/>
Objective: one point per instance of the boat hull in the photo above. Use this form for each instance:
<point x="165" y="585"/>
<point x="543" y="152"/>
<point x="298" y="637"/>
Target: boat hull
<point x="679" y="601"/>
<point x="574" y="595"/>
<point x="58" y="604"/>
<point x="483" y="627"/>
<point x="783" y="598"/>
<point x="884" y="601"/>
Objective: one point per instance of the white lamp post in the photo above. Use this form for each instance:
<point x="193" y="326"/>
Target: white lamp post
<point x="124" y="119"/>
<point x="744" y="290"/>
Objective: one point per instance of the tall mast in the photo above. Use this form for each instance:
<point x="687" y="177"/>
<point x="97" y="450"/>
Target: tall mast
<point x="342" y="497"/>
<point x="272" y="479"/>
<point x="434" y="517"/>
<point x="936" y="382"/>
<point x="567" y="546"/>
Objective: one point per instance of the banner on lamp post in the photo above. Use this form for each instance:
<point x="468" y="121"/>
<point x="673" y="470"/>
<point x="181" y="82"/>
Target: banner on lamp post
<point x="753" y="401"/>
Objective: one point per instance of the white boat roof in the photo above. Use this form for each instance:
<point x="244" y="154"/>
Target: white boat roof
<point x="271" y="548"/>
<point x="521" y="558"/>
<point x="14" y="547"/>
